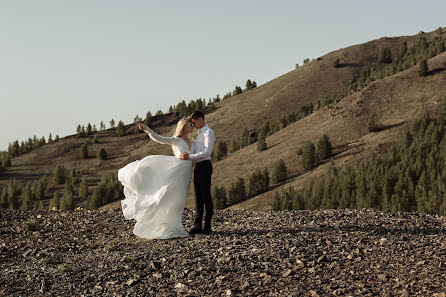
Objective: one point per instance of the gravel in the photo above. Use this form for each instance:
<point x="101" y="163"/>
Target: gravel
<point x="287" y="253"/>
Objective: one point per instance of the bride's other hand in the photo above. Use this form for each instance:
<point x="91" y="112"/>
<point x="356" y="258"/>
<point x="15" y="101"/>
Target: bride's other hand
<point x="184" y="156"/>
<point x="142" y="127"/>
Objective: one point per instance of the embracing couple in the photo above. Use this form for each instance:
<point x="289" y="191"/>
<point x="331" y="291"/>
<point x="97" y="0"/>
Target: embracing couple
<point x="156" y="187"/>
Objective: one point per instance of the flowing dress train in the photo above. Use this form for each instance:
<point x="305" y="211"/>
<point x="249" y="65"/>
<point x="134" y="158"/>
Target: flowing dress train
<point x="155" y="190"/>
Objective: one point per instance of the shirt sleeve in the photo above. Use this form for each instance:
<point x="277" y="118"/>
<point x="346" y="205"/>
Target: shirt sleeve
<point x="209" y="139"/>
<point x="161" y="139"/>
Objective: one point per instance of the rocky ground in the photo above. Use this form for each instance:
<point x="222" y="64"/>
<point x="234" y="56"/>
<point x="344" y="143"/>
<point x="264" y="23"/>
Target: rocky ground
<point x="296" y="253"/>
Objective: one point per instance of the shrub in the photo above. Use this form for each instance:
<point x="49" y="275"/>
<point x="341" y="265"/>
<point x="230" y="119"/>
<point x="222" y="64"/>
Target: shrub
<point x="96" y="139"/>
<point x="102" y="154"/>
<point x="280" y="172"/>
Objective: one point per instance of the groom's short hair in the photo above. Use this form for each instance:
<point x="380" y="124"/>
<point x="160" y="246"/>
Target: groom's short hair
<point x="196" y="115"/>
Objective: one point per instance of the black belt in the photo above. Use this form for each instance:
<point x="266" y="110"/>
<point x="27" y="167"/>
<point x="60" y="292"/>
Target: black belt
<point x="202" y="162"/>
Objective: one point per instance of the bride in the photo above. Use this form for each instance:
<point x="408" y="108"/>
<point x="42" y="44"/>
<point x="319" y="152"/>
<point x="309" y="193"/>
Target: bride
<point x="155" y="187"/>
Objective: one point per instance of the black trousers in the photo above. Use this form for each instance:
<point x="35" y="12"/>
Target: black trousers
<point x="203" y="199"/>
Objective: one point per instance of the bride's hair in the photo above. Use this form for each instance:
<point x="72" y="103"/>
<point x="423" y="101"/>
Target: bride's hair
<point x="179" y="131"/>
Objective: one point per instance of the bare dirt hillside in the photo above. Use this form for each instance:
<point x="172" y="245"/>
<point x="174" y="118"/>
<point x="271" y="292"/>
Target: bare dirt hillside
<point x="396" y="99"/>
<point x="298" y="253"/>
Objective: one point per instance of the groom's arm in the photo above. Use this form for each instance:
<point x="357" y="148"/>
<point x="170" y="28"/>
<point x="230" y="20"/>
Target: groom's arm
<point x="209" y="140"/>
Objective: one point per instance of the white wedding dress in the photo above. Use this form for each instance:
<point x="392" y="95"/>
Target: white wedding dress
<point x="155" y="190"/>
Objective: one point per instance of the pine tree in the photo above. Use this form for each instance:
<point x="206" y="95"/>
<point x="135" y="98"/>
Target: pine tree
<point x="219" y="197"/>
<point x="221" y="150"/>
<point x="423" y="68"/>
<point x="59" y="175"/>
<point x="120" y="130"/>
<point x="336" y="63"/>
<point x="102" y="126"/>
<point x="66" y="202"/>
<point x="261" y="143"/>
<point x="233" y="146"/>
<point x="95" y="200"/>
<point x="385" y="55"/>
<point x="4" y="198"/>
<point x="308" y="156"/>
<point x="55" y="202"/>
<point x="280" y="172"/>
<point x="57" y="138"/>
<point x="237" y="191"/>
<point x="324" y="148"/>
<point x="12" y="194"/>
<point x="89" y="129"/>
<point x="112" y="123"/>
<point x="50" y="138"/>
<point x="102" y="154"/>
<point x="83" y="189"/>
<point x="237" y="91"/>
<point x="26" y="197"/>
<point x="248" y="85"/>
<point x="84" y="151"/>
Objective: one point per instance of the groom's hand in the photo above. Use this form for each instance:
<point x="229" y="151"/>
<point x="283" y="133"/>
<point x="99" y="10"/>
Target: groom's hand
<point x="184" y="156"/>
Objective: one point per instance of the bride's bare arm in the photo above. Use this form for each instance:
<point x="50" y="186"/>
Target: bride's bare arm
<point x="158" y="138"/>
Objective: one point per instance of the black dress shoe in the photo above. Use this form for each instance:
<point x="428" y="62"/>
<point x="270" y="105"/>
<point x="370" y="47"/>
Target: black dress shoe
<point x="195" y="230"/>
<point x="207" y="230"/>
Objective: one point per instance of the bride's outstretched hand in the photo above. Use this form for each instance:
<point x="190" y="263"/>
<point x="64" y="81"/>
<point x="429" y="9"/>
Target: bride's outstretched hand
<point x="142" y="127"/>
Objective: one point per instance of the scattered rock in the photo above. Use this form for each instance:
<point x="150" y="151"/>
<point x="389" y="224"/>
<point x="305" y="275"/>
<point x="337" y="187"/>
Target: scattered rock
<point x="287" y="253"/>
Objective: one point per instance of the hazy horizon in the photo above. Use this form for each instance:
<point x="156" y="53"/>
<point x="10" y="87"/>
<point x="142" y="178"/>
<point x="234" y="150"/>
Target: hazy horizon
<point x="70" y="63"/>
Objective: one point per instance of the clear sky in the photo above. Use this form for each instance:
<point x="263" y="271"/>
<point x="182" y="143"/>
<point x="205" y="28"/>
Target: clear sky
<point x="64" y="63"/>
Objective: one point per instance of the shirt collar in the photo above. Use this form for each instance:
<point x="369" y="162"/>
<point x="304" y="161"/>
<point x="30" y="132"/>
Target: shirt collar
<point x="203" y="129"/>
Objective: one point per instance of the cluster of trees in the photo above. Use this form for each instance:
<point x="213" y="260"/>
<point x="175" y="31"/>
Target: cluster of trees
<point x="15" y="148"/>
<point x="32" y="194"/>
<point x="81" y="131"/>
<point x="184" y="109"/>
<point x="411" y="176"/>
<point x="239" y="191"/>
<point x="407" y="57"/>
<point x="5" y="161"/>
<point x="258" y="183"/>
<point x="101" y="154"/>
<point x="313" y="155"/>
<point x="108" y="190"/>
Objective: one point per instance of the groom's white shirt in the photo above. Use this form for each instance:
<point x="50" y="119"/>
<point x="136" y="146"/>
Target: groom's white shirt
<point x="203" y="144"/>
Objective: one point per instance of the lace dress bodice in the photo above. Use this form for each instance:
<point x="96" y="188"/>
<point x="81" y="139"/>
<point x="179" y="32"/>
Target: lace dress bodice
<point x="179" y="145"/>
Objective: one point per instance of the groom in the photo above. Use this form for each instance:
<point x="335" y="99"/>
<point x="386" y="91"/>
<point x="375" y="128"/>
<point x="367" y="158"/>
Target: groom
<point x="202" y="173"/>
